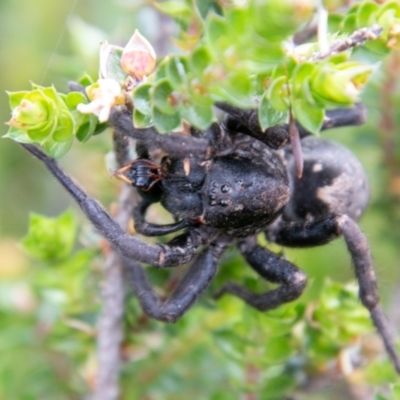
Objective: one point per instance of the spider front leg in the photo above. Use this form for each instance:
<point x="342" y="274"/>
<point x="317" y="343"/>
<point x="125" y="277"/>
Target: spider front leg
<point x="193" y="284"/>
<point x="178" y="251"/>
<point x="148" y="229"/>
<point x="272" y="268"/>
<point x="304" y="234"/>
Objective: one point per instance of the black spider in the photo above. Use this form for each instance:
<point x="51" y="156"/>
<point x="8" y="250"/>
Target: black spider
<point x="226" y="185"/>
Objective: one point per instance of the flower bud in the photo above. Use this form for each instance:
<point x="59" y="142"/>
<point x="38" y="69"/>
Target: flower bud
<point x="27" y="114"/>
<point x="138" y="58"/>
<point x="341" y="85"/>
<point x="38" y="114"/>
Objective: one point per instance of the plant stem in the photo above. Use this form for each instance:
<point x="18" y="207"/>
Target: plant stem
<point x="110" y="323"/>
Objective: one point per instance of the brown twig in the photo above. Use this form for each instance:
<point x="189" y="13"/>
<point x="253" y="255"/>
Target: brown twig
<point x="357" y="38"/>
<point x="110" y="330"/>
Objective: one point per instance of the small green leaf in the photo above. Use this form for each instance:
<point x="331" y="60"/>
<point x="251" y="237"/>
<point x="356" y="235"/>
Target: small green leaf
<point x="165" y="122"/>
<point x="141" y="120"/>
<point x="277" y="94"/>
<point x="15" y="98"/>
<point x="57" y="149"/>
<point x="310" y="117"/>
<point x="366" y="14"/>
<point x="161" y="71"/>
<point x="99" y="128"/>
<point x="217" y="32"/>
<point x="111" y="66"/>
<point x="50" y="238"/>
<point x="200" y="60"/>
<point x="86" y="80"/>
<point x="302" y="72"/>
<point x="349" y="24"/>
<point x="72" y="99"/>
<point x="177" y="70"/>
<point x="174" y="8"/>
<point x="142" y="99"/>
<point x="268" y="116"/>
<point x="83" y="133"/>
<point x="198" y="115"/>
<point x="65" y="128"/>
<point x="18" y="135"/>
<point x="89" y="128"/>
<point x="162" y="92"/>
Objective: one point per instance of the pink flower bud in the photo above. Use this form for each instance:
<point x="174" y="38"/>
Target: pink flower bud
<point x="138" y="58"/>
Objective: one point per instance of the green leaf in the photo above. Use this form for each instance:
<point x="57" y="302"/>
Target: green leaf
<point x="142" y="99"/>
<point x="349" y="23"/>
<point x="57" y="149"/>
<point x="112" y="65"/>
<point x="162" y="92"/>
<point x="50" y="239"/>
<point x="301" y="73"/>
<point x="86" y="80"/>
<point x="15" y="98"/>
<point x="72" y="99"/>
<point x="310" y="117"/>
<point x="89" y="127"/>
<point x="65" y="128"/>
<point x="277" y="94"/>
<point x="18" y="135"/>
<point x="200" y="60"/>
<point x="217" y="33"/>
<point x="165" y="122"/>
<point x="268" y="116"/>
<point x="198" y="115"/>
<point x="177" y="70"/>
<point x="366" y="14"/>
<point x="174" y="8"/>
<point x="141" y="120"/>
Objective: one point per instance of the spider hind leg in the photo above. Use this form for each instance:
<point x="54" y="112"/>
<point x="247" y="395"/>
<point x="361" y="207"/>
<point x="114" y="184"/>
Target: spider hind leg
<point x="272" y="268"/>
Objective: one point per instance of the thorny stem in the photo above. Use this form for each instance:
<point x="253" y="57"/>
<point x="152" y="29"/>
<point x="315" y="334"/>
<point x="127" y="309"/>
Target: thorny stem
<point x="357" y="38"/>
<point x="110" y="330"/>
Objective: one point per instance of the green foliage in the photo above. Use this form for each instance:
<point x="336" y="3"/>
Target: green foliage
<point x="237" y="58"/>
<point x="50" y="239"/>
<point x="230" y="55"/>
<point x="219" y="350"/>
<point x="49" y="118"/>
<point x="47" y="318"/>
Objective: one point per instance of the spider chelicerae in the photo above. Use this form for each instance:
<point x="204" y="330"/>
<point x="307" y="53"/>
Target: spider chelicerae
<point x="226" y="185"/>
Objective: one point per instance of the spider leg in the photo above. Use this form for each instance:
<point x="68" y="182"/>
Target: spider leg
<point x="178" y="251"/>
<point x="193" y="284"/>
<point x="177" y="145"/>
<point x="247" y="122"/>
<point x="148" y="229"/>
<point x="323" y="231"/>
<point x="272" y="268"/>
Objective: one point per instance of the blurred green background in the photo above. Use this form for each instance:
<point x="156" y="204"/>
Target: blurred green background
<point x="41" y="42"/>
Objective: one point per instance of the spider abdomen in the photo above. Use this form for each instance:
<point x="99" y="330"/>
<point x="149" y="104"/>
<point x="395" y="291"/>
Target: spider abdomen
<point x="333" y="182"/>
<point x="241" y="196"/>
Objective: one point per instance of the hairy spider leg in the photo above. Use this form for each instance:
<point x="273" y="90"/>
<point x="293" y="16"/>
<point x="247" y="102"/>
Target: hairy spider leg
<point x="178" y="251"/>
<point x="194" y="283"/>
<point x="272" y="268"/>
<point x="304" y="234"/>
<point x="148" y="229"/>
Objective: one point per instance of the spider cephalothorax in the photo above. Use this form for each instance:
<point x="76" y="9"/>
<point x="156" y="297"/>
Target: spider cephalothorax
<point x="226" y="185"/>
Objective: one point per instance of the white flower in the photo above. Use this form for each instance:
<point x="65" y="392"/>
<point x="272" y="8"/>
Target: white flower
<point x="104" y="95"/>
